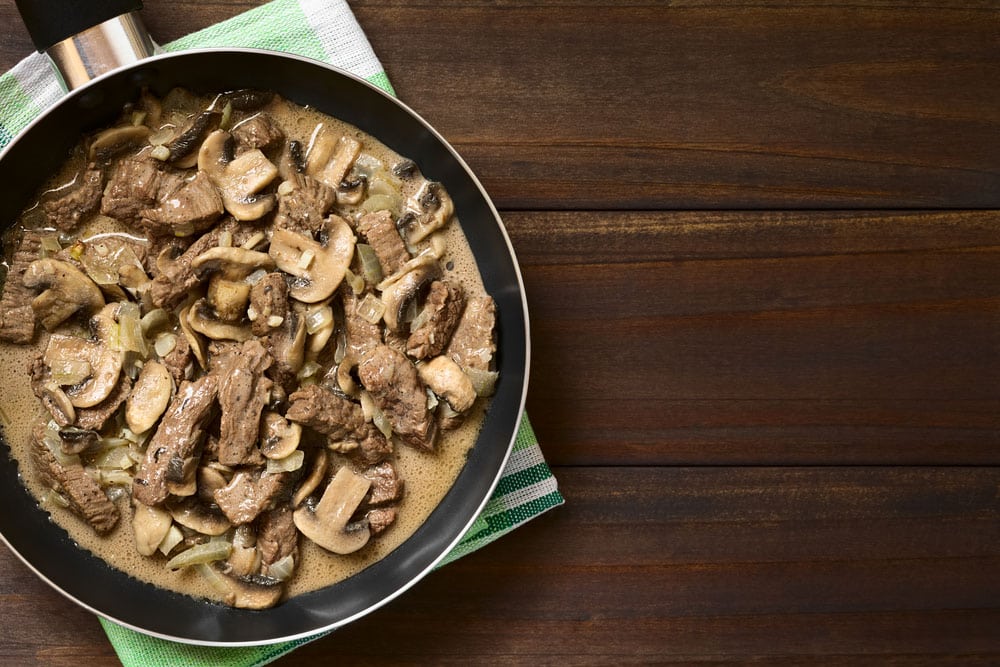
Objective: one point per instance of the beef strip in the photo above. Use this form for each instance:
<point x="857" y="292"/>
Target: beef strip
<point x="277" y="536"/>
<point x="176" y="277"/>
<point x="472" y="343"/>
<point x="178" y="359"/>
<point x="183" y="207"/>
<point x="395" y="339"/>
<point x="85" y="496"/>
<point x="94" y="418"/>
<point x="397" y="390"/>
<point x="177" y="438"/>
<point x="17" y="319"/>
<point x="387" y="486"/>
<point x="66" y="211"/>
<point x="304" y="207"/>
<point x="362" y="335"/>
<point x="258" y="131"/>
<point x="132" y="188"/>
<point x="269" y="298"/>
<point x="252" y="491"/>
<point x="380" y="518"/>
<point x="385" y="240"/>
<point x="338" y="419"/>
<point x="444" y="310"/>
<point x="243" y="393"/>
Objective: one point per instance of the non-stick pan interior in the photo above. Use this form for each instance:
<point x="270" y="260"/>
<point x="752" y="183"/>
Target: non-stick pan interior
<point x="88" y="580"/>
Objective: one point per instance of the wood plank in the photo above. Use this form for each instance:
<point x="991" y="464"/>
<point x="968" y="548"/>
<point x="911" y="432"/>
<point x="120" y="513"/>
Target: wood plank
<point x="691" y="105"/>
<point x="672" y="564"/>
<point x="765" y="105"/>
<point x="710" y="564"/>
<point x="783" y="338"/>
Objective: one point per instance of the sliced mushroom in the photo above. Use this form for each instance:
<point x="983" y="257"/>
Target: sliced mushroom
<point x="400" y="293"/>
<point x="248" y="99"/>
<point x="345" y="376"/>
<point x="245" y="558"/>
<point x="117" y="140"/>
<point x="210" y="480"/>
<point x="254" y="592"/>
<point x="149" y="397"/>
<point x="182" y="147"/>
<point x="449" y="381"/>
<point x="311" y="483"/>
<point x="234" y="263"/>
<point x="67" y="291"/>
<point x="193" y="339"/>
<point x="198" y="517"/>
<point x="228" y="293"/>
<point x="104" y="359"/>
<point x="318" y="269"/>
<point x="58" y="404"/>
<point x="319" y="338"/>
<point x="351" y="191"/>
<point x="75" y="440"/>
<point x="181" y="475"/>
<point x="239" y="180"/>
<point x="279" y="437"/>
<point x="330" y="157"/>
<point x="228" y="298"/>
<point x="149" y="527"/>
<point x="432" y="207"/>
<point x="203" y="319"/>
<point x="327" y="525"/>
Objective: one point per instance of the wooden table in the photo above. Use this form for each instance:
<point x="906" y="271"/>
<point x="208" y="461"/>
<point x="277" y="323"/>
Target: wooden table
<point x="763" y="267"/>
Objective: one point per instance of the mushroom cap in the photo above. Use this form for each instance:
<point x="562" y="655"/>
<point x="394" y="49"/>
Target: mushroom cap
<point x="254" y="592"/>
<point x="149" y="527"/>
<point x="233" y="262"/>
<point x="239" y="180"/>
<point x="447" y="379"/>
<point x="105" y="361"/>
<point x="66" y="291"/>
<point x="117" y="139"/>
<point x="182" y="147"/>
<point x="311" y="483"/>
<point x="327" y="524"/>
<point x="318" y="269"/>
<point x="331" y="156"/>
<point x="433" y="207"/>
<point x="149" y="397"/>
<point x="279" y="437"/>
<point x="191" y="513"/>
<point x="192" y="337"/>
<point x="202" y="318"/>
<point x="398" y="294"/>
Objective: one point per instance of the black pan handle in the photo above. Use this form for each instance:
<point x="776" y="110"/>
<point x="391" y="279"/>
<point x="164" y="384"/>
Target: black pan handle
<point x="51" y="21"/>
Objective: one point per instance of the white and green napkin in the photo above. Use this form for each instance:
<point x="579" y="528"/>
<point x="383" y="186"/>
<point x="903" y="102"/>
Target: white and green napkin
<point x="325" y="30"/>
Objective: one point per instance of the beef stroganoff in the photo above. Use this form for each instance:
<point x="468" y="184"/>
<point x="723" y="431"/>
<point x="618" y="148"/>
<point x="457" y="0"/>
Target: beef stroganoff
<point x="256" y="343"/>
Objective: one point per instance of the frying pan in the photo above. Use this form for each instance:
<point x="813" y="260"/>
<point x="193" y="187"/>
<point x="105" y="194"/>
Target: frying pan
<point x="36" y="153"/>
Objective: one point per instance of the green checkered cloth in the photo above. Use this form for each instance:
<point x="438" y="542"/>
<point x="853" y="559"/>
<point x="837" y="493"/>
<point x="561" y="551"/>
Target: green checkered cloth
<point x="325" y="30"/>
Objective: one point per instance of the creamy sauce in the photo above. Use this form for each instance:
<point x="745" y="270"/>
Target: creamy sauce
<point x="427" y="476"/>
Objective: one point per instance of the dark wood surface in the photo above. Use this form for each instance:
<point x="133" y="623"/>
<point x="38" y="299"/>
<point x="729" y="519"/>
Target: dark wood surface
<point x="762" y="256"/>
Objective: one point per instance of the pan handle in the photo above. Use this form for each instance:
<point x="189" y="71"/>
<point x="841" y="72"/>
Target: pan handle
<point x="86" y="39"/>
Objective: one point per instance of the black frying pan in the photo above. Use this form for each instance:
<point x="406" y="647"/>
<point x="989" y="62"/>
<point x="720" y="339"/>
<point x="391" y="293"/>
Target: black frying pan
<point x="37" y="152"/>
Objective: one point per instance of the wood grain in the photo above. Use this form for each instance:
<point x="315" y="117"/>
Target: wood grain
<point x="561" y="105"/>
<point x="761" y="247"/>
<point x="671" y="564"/>
<point x="770" y="337"/>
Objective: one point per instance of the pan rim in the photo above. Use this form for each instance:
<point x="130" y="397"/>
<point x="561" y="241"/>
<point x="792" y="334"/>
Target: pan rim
<point x="413" y="579"/>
